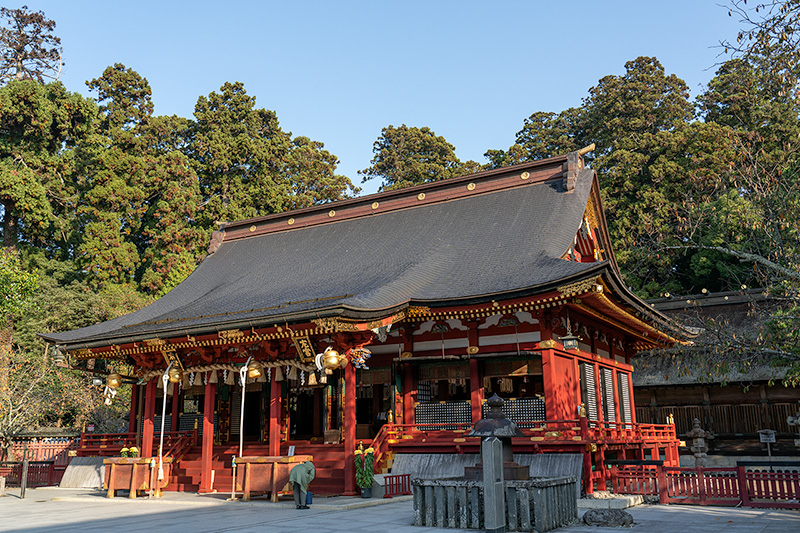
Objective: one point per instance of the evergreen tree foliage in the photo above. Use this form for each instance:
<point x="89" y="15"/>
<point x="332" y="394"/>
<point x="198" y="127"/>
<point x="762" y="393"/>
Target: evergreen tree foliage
<point x="248" y="166"/>
<point x="407" y="156"/>
<point x="40" y="127"/>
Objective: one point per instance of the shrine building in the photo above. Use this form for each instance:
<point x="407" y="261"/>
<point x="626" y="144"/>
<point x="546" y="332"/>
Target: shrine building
<point x="423" y="302"/>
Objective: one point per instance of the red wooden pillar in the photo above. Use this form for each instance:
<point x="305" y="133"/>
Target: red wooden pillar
<point x="176" y="413"/>
<point x="149" y="418"/>
<point x="475" y="390"/>
<point x="349" y="429"/>
<point x="600" y="464"/>
<point x="550" y="384"/>
<point x="409" y="392"/>
<point x="207" y="445"/>
<point x="629" y="377"/>
<point x="274" y="417"/>
<point x="134" y="408"/>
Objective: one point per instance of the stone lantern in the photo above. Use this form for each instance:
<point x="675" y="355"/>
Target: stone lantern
<point x="495" y="424"/>
<point x="699" y="446"/>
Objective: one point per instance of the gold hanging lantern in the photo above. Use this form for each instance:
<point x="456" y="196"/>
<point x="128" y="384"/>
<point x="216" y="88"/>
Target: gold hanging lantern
<point x="175" y="375"/>
<point x="114" y="380"/>
<point x="255" y="370"/>
<point x="331" y="358"/>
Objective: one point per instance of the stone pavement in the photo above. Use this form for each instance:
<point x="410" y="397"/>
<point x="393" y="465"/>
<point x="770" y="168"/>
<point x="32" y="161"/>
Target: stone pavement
<point x="55" y="510"/>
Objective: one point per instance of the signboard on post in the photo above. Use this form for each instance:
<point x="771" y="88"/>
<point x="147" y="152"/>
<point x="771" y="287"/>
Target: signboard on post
<point x="767" y="436"/>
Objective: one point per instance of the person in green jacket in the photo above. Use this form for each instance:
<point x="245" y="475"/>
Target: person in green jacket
<point x="300" y="476"/>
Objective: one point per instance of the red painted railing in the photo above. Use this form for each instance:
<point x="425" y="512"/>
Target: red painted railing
<point x="396" y="485"/>
<point x="182" y="442"/>
<point x="57" y="451"/>
<point x="709" y="486"/>
<point x="111" y="444"/>
<point x="549" y="430"/>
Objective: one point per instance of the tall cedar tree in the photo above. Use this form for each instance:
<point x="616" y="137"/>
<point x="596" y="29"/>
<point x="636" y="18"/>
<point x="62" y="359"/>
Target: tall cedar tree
<point x="28" y="48"/>
<point x="40" y="127"/>
<point x="140" y="196"/>
<point x="248" y="166"/>
<point x="407" y="156"/>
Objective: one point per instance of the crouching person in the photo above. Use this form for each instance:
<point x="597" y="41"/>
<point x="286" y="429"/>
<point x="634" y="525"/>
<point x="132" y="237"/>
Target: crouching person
<point x="300" y="476"/>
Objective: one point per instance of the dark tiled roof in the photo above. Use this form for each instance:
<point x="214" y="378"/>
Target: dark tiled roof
<point x="471" y="247"/>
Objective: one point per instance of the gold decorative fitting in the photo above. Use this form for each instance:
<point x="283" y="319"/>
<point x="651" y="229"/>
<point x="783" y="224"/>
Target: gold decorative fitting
<point x="472" y="350"/>
<point x="290" y="221"/>
<point x="83" y="353"/>
<point x="230" y="334"/>
<point x="471" y="187"/>
<point x="253" y="227"/>
<point x="154" y="342"/>
<point x="421" y="196"/>
<point x="549" y="343"/>
<point x="579" y="287"/>
<point x="525" y="175"/>
<point x="405" y="355"/>
<point x="375" y="205"/>
<point x="418" y="310"/>
<point x="331" y="213"/>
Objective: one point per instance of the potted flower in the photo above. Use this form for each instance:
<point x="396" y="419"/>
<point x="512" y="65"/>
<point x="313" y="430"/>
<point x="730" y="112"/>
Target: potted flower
<point x="364" y="471"/>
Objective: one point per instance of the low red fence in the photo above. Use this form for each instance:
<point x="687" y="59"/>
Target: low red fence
<point x="396" y="485"/>
<point x="40" y="473"/>
<point x="738" y="485"/>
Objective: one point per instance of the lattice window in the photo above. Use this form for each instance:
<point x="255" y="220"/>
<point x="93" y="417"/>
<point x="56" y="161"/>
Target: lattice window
<point x="447" y="413"/>
<point x="589" y="390"/>
<point x="185" y="423"/>
<point x="624" y="398"/>
<point x="423" y="391"/>
<point x="607" y="390"/>
<point x="526" y="412"/>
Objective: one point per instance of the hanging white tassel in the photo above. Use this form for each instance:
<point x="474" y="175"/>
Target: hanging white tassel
<point x="269" y="374"/>
<point x="191" y="379"/>
<point x="302" y="378"/>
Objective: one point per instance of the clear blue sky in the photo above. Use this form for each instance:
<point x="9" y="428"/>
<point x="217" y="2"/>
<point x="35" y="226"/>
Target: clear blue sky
<point x="338" y="72"/>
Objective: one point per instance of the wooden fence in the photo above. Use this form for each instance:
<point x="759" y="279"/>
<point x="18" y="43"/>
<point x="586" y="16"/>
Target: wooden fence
<point x="40" y="473"/>
<point x="55" y="451"/>
<point x="752" y="484"/>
